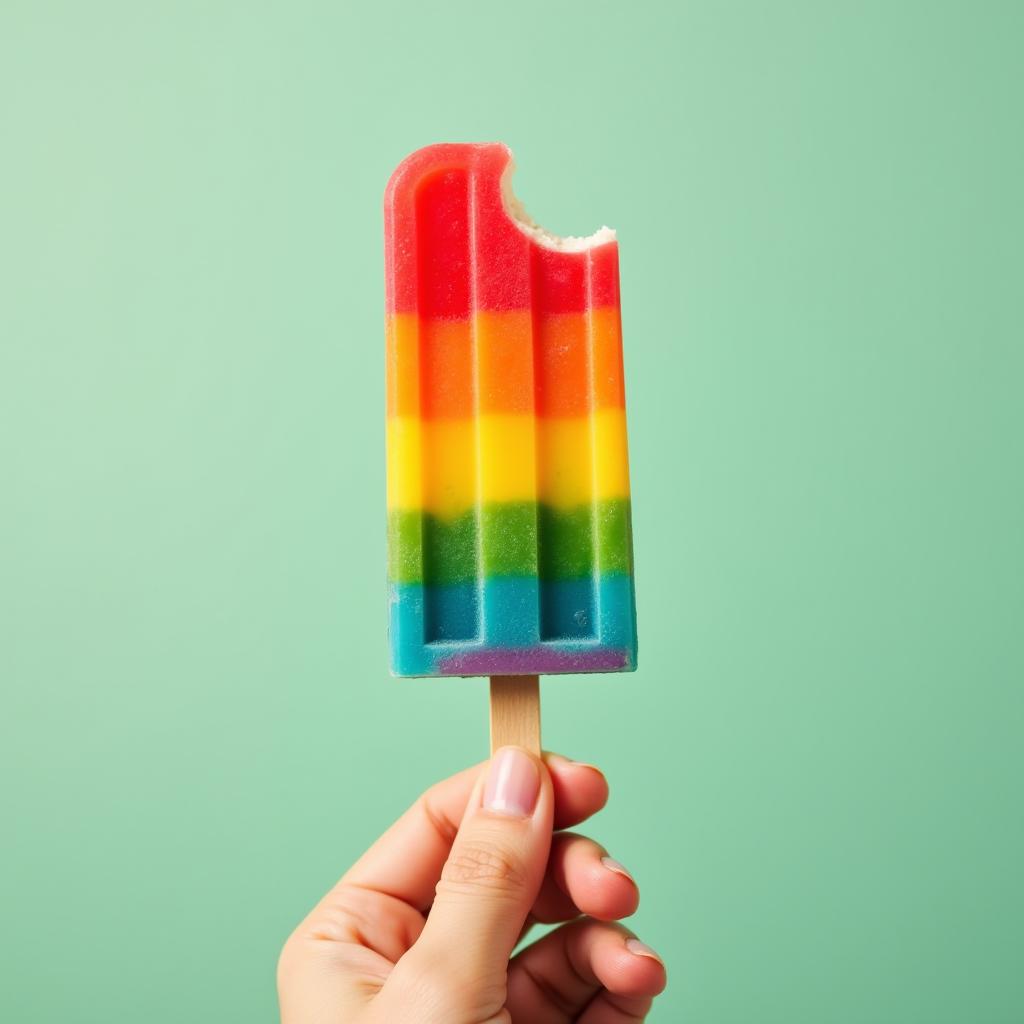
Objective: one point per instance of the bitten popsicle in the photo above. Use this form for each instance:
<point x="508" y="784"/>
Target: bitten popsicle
<point x="509" y="532"/>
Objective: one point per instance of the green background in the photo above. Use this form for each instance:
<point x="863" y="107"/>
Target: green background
<point x="817" y="771"/>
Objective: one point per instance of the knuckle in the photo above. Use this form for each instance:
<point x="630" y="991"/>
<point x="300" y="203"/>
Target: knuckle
<point x="474" y="866"/>
<point x="339" y="915"/>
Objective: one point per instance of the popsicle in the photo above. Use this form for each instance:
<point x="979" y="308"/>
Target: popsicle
<point x="509" y="524"/>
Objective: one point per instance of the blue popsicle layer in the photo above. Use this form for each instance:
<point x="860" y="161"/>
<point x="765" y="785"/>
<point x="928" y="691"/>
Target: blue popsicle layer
<point x="513" y="625"/>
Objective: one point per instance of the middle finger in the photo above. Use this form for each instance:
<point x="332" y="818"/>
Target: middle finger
<point x="582" y="879"/>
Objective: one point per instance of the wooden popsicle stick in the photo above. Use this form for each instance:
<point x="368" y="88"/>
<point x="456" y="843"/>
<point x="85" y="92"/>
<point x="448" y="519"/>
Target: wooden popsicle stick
<point x="515" y="712"/>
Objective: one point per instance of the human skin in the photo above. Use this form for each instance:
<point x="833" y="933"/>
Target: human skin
<point x="422" y="928"/>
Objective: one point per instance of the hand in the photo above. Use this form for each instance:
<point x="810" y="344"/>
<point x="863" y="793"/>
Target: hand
<point x="421" y="929"/>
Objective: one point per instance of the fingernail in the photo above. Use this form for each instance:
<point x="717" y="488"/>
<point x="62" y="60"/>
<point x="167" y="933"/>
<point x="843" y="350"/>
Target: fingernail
<point x="613" y="865"/>
<point x="513" y="783"/>
<point x="642" y="949"/>
<point x="560" y="759"/>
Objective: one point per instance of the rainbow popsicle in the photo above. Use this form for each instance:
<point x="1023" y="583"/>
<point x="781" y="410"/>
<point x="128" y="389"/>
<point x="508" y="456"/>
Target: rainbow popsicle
<point x="509" y="533"/>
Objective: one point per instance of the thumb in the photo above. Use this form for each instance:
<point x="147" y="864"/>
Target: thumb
<point x="457" y="968"/>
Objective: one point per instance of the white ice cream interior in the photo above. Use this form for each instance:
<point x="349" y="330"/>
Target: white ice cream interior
<point x="515" y="209"/>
